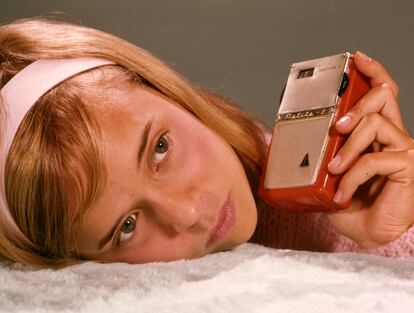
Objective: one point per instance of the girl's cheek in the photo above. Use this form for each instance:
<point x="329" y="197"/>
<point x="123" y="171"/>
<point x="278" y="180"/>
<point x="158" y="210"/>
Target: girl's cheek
<point x="195" y="151"/>
<point x="182" y="162"/>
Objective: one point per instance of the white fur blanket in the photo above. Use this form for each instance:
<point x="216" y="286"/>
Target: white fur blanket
<point x="250" y="278"/>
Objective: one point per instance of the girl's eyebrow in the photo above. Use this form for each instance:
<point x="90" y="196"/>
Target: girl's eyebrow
<point x="144" y="141"/>
<point x="143" y="145"/>
<point x="109" y="235"/>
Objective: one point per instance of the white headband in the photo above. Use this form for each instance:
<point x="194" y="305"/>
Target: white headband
<point x="18" y="96"/>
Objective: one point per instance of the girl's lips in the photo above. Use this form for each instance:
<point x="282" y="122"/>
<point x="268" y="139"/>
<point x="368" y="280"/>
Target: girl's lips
<point x="224" y="222"/>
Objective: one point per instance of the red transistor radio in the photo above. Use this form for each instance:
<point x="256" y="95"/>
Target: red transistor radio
<point x="318" y="92"/>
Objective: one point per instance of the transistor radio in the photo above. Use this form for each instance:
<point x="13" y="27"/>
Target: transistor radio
<point x="318" y="92"/>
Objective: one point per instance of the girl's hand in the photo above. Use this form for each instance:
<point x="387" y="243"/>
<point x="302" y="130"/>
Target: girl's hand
<point x="381" y="181"/>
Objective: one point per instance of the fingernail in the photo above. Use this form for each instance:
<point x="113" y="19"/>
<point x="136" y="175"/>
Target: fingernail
<point x="364" y="56"/>
<point x="335" y="161"/>
<point x="338" y="196"/>
<point x="344" y="120"/>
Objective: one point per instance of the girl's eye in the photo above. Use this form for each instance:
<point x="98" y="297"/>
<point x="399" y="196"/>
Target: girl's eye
<point x="128" y="227"/>
<point x="161" y="149"/>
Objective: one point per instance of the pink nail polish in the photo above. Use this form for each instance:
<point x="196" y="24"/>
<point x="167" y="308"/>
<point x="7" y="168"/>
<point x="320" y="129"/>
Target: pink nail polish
<point x="338" y="196"/>
<point x="344" y="120"/>
<point x="364" y="56"/>
<point x="335" y="161"/>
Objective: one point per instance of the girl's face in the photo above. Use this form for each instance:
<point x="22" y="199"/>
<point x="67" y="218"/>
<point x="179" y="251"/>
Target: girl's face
<point x="175" y="189"/>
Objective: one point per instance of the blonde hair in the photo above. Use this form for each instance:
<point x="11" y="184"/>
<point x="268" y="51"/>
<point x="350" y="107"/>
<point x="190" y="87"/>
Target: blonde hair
<point x="54" y="171"/>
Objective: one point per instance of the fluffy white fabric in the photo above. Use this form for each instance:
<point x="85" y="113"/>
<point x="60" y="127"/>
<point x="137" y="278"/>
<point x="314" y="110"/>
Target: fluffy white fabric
<point x="250" y="278"/>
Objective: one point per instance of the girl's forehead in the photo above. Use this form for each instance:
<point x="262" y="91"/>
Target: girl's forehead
<point x="125" y="100"/>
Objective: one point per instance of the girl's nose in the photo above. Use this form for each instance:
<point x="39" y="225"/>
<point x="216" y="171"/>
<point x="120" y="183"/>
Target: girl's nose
<point x="177" y="214"/>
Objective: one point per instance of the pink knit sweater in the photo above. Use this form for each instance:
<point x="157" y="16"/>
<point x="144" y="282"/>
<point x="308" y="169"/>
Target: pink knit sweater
<point x="313" y="232"/>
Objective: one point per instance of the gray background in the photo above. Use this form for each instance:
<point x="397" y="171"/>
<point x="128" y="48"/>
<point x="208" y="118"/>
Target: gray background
<point x="242" y="49"/>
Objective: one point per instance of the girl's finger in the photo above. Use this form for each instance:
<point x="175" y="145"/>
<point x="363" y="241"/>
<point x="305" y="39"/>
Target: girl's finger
<point x="397" y="166"/>
<point x="372" y="128"/>
<point x="379" y="99"/>
<point x="375" y="71"/>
